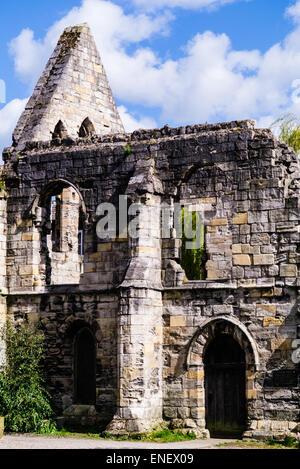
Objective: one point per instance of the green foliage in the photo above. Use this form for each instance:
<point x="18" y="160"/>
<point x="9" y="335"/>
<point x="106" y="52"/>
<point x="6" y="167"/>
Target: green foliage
<point x="270" y="444"/>
<point x="23" y="398"/>
<point x="288" y="442"/>
<point x="2" y="181"/>
<point x="127" y="150"/>
<point x="162" y="436"/>
<point x="193" y="260"/>
<point x="169" y="436"/>
<point x="289" y="130"/>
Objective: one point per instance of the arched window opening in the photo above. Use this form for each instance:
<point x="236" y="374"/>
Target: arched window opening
<point x="64" y="218"/>
<point x="60" y="131"/>
<point x="85" y="367"/>
<point x="87" y="129"/>
<point x="225" y="388"/>
<point x="62" y="234"/>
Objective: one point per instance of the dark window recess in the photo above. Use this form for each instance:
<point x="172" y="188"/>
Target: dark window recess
<point x="87" y="129"/>
<point x="60" y="131"/>
<point x="55" y="224"/>
<point x="85" y="368"/>
<point x="286" y="378"/>
<point x="80" y="242"/>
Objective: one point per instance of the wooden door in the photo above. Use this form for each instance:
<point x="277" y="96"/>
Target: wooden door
<point x="225" y="387"/>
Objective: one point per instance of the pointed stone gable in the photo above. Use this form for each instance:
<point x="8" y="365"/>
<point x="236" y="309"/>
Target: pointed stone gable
<point x="72" y="90"/>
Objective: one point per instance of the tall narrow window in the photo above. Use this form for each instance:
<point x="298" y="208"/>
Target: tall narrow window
<point x="63" y="235"/>
<point x="60" y="131"/>
<point x="80" y="242"/>
<point x="87" y="129"/>
<point x="193" y="251"/>
<point x="55" y="223"/>
<point x="85" y="367"/>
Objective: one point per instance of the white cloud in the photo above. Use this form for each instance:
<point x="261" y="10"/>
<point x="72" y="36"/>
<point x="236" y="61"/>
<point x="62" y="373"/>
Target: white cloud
<point x="211" y="81"/>
<point x="131" y="123"/>
<point x="111" y="28"/>
<point x="9" y="115"/>
<point x="186" y="4"/>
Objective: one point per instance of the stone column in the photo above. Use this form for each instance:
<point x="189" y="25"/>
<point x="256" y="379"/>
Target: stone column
<point x="140" y="328"/>
<point x="3" y="286"/>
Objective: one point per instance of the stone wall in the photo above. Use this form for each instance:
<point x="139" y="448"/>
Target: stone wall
<point x="61" y="316"/>
<point x="72" y="88"/>
<point x="156" y="324"/>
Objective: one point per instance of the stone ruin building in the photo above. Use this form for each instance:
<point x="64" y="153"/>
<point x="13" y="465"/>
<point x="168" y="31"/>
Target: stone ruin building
<point x="132" y="340"/>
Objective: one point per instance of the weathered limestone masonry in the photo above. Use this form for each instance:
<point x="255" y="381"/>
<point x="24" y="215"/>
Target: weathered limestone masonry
<point x="73" y="87"/>
<point x="131" y="342"/>
<point x="3" y="290"/>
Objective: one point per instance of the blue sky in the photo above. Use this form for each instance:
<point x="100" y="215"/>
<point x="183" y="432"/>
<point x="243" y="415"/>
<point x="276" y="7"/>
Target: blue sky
<point x="168" y="61"/>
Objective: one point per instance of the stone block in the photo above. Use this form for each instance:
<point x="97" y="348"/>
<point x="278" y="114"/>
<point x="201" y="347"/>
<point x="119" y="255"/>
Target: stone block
<point x="271" y="321"/>
<point x="288" y="270"/>
<point x="263" y="259"/>
<point x="241" y="259"/>
<point x="240" y="218"/>
<point x="218" y="222"/>
<point x="177" y="321"/>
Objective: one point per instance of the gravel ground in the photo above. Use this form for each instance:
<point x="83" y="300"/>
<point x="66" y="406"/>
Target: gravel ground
<point x="46" y="442"/>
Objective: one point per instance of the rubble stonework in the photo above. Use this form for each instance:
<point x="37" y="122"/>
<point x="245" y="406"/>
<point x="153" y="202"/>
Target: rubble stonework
<point x="72" y="88"/>
<point x="152" y="327"/>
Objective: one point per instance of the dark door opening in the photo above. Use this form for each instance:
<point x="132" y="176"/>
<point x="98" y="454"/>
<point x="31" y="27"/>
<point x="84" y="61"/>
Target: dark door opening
<point x="225" y="400"/>
<point x="85" y="368"/>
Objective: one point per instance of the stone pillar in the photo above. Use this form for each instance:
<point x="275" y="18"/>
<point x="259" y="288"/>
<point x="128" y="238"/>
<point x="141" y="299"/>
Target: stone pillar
<point x="140" y="328"/>
<point x="69" y="220"/>
<point x="3" y="286"/>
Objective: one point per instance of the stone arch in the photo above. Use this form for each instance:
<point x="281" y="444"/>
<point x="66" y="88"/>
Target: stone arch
<point x="60" y="131"/>
<point x="190" y="172"/>
<point x="194" y="380"/>
<point x="87" y="128"/>
<point x="59" y="217"/>
<point x="208" y="330"/>
<point x="51" y="188"/>
<point x="54" y="187"/>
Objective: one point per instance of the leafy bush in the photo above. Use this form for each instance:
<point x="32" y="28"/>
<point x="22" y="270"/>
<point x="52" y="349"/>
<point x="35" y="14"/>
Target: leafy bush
<point x="23" y="399"/>
<point x="289" y="130"/>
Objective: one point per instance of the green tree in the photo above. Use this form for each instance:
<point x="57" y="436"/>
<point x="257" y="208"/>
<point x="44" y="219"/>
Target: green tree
<point x="288" y="127"/>
<point x="24" y="401"/>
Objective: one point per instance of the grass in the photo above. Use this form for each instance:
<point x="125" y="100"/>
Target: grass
<point x="287" y="443"/>
<point x="161" y="436"/>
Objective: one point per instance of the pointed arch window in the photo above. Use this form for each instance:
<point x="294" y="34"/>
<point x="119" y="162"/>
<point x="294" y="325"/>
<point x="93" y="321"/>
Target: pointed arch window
<point x="62" y="233"/>
<point x="60" y="131"/>
<point x="87" y="128"/>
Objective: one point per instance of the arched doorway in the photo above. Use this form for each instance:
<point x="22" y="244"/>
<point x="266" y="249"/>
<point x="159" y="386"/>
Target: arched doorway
<point x="225" y="393"/>
<point x="85" y="367"/>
